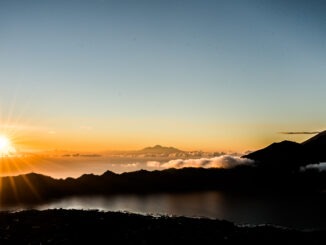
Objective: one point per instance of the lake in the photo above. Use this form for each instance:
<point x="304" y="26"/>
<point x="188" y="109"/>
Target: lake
<point x="302" y="212"/>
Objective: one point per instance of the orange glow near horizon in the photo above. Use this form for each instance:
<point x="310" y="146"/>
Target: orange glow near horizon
<point x="24" y="134"/>
<point x="25" y="149"/>
<point x="40" y="140"/>
<point x="21" y="132"/>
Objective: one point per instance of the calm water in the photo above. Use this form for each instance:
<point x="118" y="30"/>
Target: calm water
<point x="291" y="211"/>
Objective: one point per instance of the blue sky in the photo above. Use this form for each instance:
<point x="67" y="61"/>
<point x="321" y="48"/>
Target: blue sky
<point x="195" y="74"/>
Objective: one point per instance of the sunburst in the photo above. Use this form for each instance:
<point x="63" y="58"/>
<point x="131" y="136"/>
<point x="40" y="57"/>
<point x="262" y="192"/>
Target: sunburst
<point x="6" y="146"/>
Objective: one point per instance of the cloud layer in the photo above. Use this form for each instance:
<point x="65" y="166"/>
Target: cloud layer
<point x="225" y="161"/>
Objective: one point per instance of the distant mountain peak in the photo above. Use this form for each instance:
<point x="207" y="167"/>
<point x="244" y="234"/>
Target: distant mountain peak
<point x="160" y="149"/>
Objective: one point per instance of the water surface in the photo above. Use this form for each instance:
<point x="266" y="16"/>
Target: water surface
<point x="302" y="212"/>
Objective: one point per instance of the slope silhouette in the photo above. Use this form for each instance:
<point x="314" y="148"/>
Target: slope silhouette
<point x="285" y="155"/>
<point x="316" y="147"/>
<point x="291" y="155"/>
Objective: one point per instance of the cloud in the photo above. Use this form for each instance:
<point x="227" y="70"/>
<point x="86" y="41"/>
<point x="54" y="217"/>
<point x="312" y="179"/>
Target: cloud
<point x="153" y="164"/>
<point x="319" y="166"/>
<point x="225" y="161"/>
<point x="301" y="132"/>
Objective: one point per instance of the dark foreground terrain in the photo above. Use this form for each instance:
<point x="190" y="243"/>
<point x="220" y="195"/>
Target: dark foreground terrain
<point x="36" y="188"/>
<point x="92" y="227"/>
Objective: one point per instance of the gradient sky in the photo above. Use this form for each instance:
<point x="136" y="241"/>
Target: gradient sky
<point x="209" y="75"/>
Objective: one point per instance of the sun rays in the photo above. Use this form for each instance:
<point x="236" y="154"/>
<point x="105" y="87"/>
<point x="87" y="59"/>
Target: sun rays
<point x="18" y="157"/>
<point x="6" y="146"/>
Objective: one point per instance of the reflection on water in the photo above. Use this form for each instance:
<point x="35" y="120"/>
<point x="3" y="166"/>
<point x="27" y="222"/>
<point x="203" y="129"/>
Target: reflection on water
<point x="204" y="204"/>
<point x="291" y="211"/>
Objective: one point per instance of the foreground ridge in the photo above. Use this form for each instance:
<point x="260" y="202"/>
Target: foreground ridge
<point x="38" y="188"/>
<point x="80" y="227"/>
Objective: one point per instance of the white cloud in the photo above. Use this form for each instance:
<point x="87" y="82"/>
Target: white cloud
<point x="320" y="166"/>
<point x="153" y="164"/>
<point x="224" y="161"/>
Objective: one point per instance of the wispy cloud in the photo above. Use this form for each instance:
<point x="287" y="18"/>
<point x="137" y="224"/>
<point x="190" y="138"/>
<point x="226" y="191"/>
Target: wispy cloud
<point x="301" y="132"/>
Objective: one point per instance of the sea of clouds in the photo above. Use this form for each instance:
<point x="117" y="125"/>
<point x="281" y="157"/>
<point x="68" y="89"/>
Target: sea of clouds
<point x="224" y="161"/>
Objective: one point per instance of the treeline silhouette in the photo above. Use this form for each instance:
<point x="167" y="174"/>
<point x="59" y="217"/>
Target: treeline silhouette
<point x="37" y="188"/>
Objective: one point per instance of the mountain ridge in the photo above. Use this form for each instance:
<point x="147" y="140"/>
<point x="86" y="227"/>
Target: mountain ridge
<point x="289" y="154"/>
<point x="36" y="188"/>
<point x="317" y="138"/>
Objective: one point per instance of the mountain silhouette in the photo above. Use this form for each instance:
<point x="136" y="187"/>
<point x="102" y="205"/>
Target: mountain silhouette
<point x="36" y="188"/>
<point x="316" y="147"/>
<point x="158" y="149"/>
<point x="288" y="154"/>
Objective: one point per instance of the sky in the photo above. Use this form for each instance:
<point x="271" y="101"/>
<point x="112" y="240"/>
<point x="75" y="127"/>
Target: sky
<point x="197" y="75"/>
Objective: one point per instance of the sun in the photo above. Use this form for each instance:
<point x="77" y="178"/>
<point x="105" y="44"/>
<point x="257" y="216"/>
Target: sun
<point x="6" y="146"/>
